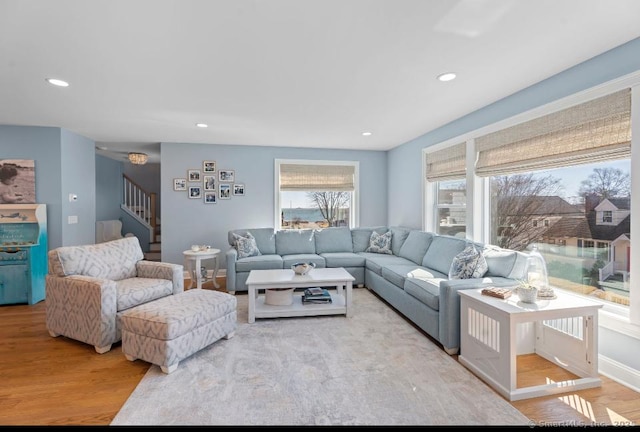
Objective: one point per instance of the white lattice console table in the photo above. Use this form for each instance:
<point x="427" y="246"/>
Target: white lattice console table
<point x="563" y="330"/>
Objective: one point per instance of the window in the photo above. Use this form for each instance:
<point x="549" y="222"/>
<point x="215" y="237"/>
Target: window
<point x="445" y="174"/>
<point x="316" y="194"/>
<point x="536" y="179"/>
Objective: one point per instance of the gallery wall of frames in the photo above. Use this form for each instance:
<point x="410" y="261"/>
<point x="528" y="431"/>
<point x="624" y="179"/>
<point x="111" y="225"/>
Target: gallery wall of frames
<point x="209" y="183"/>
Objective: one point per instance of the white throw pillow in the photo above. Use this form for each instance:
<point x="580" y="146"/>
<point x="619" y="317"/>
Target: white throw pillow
<point x="246" y="246"/>
<point x="470" y="263"/>
<point x="380" y="243"/>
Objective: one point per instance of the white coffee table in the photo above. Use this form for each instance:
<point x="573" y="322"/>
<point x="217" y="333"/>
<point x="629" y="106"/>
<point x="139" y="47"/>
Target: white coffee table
<point x="260" y="280"/>
<point x="493" y="332"/>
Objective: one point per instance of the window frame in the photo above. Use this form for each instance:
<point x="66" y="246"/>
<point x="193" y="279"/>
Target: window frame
<point x="625" y="319"/>
<point x="354" y="210"/>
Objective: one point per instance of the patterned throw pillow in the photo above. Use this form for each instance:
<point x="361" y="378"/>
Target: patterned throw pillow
<point x="470" y="263"/>
<point x="246" y="246"/>
<point x="380" y="243"/>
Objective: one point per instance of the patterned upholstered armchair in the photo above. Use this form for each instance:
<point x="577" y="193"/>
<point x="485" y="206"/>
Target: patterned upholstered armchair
<point x="88" y="287"/>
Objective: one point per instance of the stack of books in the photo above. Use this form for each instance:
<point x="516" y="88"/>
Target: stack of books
<point x="316" y="295"/>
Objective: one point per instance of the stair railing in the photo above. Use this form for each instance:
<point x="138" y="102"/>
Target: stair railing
<point x="139" y="202"/>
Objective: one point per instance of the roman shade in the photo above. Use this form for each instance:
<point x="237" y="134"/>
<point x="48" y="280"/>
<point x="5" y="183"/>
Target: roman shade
<point x="308" y="177"/>
<point x="593" y="131"/>
<point x="447" y="164"/>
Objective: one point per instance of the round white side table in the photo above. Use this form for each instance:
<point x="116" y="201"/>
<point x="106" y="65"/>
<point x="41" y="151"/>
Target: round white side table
<point x="192" y="262"/>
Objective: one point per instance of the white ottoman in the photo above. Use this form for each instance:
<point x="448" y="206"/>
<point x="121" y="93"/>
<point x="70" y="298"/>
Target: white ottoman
<point x="165" y="331"/>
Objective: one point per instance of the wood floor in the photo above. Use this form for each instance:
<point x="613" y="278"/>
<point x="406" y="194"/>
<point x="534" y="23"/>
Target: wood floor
<point x="58" y="381"/>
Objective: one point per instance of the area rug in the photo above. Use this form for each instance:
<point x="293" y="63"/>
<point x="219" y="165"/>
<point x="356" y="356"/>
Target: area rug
<point x="373" y="368"/>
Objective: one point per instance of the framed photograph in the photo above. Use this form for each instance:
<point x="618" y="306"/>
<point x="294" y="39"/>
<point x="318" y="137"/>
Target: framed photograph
<point x="225" y="191"/>
<point x="210" y="198"/>
<point x="195" y="192"/>
<point x="193" y="175"/>
<point x="238" y="189"/>
<point x="208" y="166"/>
<point x="209" y="182"/>
<point x="17" y="181"/>
<point x="179" y="184"/>
<point x="227" y="176"/>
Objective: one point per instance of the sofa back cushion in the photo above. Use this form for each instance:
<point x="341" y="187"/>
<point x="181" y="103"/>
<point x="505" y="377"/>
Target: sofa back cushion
<point x="289" y="242"/>
<point x="333" y="239"/>
<point x="441" y="252"/>
<point x="416" y="245"/>
<point x="505" y="262"/>
<point x="265" y="238"/>
<point x="360" y="237"/>
<point x="398" y="237"/>
<point x="113" y="260"/>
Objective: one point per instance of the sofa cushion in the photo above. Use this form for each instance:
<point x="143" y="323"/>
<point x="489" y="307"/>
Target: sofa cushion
<point x="114" y="260"/>
<point x="343" y="259"/>
<point x="333" y="239"/>
<point x="375" y="261"/>
<point x="504" y="262"/>
<point x="289" y="242"/>
<point x="260" y="262"/>
<point x="440" y="254"/>
<point x="397" y="273"/>
<point x="425" y="290"/>
<point x="380" y="243"/>
<point x="360" y="237"/>
<point x="470" y="263"/>
<point x="415" y="246"/>
<point x="399" y="235"/>
<point x="289" y="260"/>
<point x="265" y="238"/>
<point x="135" y="291"/>
<point x="246" y="245"/>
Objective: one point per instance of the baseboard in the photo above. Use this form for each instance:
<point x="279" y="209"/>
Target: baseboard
<point x="619" y="372"/>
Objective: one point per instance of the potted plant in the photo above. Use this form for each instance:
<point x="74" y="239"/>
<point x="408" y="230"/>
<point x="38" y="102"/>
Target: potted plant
<point x="527" y="292"/>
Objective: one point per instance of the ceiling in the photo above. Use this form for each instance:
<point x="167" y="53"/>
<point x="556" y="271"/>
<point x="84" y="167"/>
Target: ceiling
<point x="292" y="73"/>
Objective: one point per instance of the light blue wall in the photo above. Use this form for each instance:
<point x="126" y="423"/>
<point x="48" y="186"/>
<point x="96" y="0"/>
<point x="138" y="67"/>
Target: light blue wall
<point x="189" y="221"/>
<point x="64" y="163"/>
<point x="78" y="177"/>
<point x="108" y="188"/>
<point x="405" y="161"/>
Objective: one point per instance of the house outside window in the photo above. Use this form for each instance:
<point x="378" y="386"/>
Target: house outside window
<point x="316" y="194"/>
<point x="607" y="216"/>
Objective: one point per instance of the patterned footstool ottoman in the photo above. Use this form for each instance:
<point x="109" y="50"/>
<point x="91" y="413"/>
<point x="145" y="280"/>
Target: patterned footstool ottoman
<point x="165" y="331"/>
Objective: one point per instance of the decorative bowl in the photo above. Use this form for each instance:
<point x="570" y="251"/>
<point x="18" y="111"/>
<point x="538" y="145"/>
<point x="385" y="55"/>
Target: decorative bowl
<point x="527" y="294"/>
<point x="302" y="268"/>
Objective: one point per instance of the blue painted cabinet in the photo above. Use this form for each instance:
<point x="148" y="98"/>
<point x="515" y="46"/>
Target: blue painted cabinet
<point x="23" y="253"/>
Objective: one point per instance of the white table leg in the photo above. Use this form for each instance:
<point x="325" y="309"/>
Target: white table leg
<point x="252" y="304"/>
<point x="348" y="298"/>
<point x="188" y="264"/>
<point x="215" y="273"/>
<point x="197" y="272"/>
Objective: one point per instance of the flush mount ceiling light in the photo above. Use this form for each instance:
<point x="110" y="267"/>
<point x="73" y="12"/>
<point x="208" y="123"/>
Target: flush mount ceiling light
<point x="202" y="125"/>
<point x="138" y="158"/>
<point x="446" y="76"/>
<point x="366" y="133"/>
<point x="57" y="82"/>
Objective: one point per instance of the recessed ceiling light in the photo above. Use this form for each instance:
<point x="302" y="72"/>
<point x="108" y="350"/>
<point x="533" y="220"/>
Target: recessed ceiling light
<point x="366" y="133"/>
<point x="202" y="125"/>
<point x="57" y="82"/>
<point x="446" y="76"/>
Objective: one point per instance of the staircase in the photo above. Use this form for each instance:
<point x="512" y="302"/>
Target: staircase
<point x="141" y="205"/>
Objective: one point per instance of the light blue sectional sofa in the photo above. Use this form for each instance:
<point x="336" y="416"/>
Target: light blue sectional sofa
<point x="414" y="279"/>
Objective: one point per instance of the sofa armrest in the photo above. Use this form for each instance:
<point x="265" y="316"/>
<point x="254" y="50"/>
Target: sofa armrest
<point x="162" y="270"/>
<point x="83" y="308"/>
<point x="231" y="256"/>
<point x="449" y="316"/>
